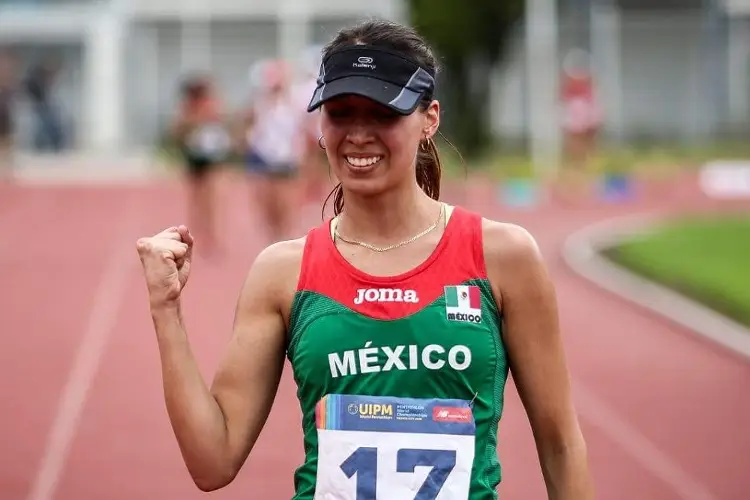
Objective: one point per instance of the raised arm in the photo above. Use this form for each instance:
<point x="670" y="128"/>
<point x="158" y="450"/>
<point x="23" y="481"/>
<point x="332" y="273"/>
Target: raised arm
<point x="536" y="357"/>
<point x="216" y="427"/>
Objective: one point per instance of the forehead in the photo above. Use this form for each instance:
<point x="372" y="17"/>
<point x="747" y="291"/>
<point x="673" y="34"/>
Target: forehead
<point x="353" y="102"/>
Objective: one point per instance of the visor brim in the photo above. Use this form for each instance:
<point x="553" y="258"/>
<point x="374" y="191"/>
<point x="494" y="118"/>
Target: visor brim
<point x="400" y="99"/>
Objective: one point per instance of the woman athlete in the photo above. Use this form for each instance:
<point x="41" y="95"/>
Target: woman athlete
<point x="401" y="316"/>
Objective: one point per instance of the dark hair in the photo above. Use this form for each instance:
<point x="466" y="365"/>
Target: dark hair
<point x="405" y="40"/>
<point x="195" y="87"/>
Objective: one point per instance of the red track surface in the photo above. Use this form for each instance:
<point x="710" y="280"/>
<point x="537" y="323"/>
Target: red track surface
<point x="665" y="414"/>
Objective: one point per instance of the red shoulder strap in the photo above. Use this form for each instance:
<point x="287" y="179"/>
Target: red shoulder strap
<point x="464" y="252"/>
<point x="314" y="256"/>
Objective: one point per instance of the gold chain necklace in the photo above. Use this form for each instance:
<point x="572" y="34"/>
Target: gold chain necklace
<point x="396" y="245"/>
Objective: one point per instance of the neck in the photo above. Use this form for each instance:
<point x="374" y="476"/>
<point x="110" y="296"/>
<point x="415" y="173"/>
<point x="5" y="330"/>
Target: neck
<point x="389" y="218"/>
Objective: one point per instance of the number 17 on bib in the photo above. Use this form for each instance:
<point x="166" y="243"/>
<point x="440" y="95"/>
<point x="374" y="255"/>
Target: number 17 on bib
<point x="386" y="448"/>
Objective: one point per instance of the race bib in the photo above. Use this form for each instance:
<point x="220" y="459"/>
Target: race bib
<point x="387" y="448"/>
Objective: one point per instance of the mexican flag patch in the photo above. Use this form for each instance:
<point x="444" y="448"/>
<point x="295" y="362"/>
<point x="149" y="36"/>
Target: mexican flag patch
<point x="463" y="303"/>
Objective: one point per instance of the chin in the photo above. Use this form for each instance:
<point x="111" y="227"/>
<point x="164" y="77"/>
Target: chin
<point x="364" y="187"/>
<point x="364" y="181"/>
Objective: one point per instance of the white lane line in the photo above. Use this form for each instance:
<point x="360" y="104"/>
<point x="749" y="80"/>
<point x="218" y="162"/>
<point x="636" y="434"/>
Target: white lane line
<point x="101" y="322"/>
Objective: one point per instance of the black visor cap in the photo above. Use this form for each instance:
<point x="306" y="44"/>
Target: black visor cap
<point x="386" y="78"/>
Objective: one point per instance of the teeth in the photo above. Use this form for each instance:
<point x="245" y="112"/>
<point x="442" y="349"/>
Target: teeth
<point x="363" y="162"/>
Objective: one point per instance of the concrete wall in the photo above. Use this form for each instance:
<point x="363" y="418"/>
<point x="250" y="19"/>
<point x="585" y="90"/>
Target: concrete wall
<point x="161" y="40"/>
<point x="675" y="81"/>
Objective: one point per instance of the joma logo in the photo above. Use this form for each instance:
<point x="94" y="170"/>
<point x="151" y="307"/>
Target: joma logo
<point x="385" y="295"/>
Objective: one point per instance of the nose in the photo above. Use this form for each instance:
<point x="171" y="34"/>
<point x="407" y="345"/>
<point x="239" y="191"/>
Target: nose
<point x="359" y="132"/>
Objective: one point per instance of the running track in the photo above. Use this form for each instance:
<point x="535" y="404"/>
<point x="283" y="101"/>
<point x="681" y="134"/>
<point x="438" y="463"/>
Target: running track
<point x="665" y="414"/>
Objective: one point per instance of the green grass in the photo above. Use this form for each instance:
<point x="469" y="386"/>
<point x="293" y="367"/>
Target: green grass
<point x="706" y="259"/>
<point x="648" y="161"/>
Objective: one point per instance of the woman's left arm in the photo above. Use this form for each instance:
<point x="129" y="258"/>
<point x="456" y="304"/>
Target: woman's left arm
<point x="524" y="291"/>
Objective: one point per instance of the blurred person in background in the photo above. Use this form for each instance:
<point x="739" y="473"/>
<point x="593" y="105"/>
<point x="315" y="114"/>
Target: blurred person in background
<point x="205" y="144"/>
<point x="581" y="117"/>
<point x="316" y="176"/>
<point x="7" y="119"/>
<point x="49" y="133"/>
<point x="270" y="144"/>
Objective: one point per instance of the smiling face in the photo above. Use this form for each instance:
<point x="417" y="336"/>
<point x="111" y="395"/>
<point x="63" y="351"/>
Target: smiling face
<point x="371" y="148"/>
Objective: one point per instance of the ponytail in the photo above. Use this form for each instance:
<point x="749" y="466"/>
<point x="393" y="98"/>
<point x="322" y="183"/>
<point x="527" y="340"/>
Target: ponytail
<point x="429" y="168"/>
<point x="429" y="172"/>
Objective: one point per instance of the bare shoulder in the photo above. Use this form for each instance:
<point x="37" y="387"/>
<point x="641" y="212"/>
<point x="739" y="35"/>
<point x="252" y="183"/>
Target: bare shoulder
<point x="282" y="253"/>
<point x="515" y="266"/>
<point x="509" y="244"/>
<point x="279" y="264"/>
<point x="274" y="274"/>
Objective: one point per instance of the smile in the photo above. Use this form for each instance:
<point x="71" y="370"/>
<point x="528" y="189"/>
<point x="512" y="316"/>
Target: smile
<point x="363" y="162"/>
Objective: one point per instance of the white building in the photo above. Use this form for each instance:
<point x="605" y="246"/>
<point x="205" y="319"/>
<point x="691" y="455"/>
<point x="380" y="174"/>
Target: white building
<point x="672" y="69"/>
<point x="122" y="59"/>
<point x="666" y="69"/>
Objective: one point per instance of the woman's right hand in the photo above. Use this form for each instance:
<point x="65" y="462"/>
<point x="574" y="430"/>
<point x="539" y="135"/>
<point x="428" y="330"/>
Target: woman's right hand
<point x="166" y="259"/>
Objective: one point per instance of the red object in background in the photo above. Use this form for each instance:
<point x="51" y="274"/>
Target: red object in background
<point x="578" y="87"/>
<point x="581" y="112"/>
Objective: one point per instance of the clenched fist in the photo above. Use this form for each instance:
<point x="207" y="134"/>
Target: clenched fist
<point x="166" y="264"/>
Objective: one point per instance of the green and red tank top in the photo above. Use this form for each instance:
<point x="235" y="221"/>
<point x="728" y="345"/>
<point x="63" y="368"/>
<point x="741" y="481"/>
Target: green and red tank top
<point x="400" y="379"/>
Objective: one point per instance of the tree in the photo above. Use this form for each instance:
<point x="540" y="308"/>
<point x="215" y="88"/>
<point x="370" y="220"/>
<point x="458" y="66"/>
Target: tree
<point x="470" y="40"/>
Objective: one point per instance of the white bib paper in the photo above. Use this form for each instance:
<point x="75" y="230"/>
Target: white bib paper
<point x="387" y="448"/>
